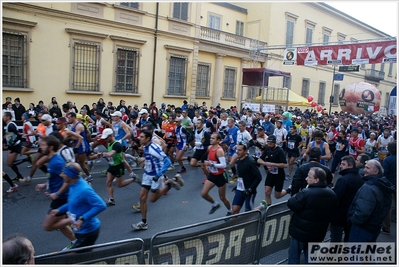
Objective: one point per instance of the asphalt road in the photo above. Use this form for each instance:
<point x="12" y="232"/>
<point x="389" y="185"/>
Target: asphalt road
<point x="24" y="210"/>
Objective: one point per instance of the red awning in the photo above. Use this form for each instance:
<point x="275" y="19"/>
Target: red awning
<point x="260" y="76"/>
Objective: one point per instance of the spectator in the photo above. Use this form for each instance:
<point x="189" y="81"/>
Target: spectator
<point x="361" y="162"/>
<point x="32" y="111"/>
<point x="371" y="204"/>
<point x="100" y="105"/>
<point x="345" y="189"/>
<point x="122" y="104"/>
<point x="389" y="166"/>
<point x="184" y="106"/>
<point x="8" y="101"/>
<point x="18" y="108"/>
<point x="55" y="111"/>
<point x="39" y="107"/>
<point x="53" y="100"/>
<point x="17" y="249"/>
<point x="9" y="109"/>
<point x="313" y="208"/>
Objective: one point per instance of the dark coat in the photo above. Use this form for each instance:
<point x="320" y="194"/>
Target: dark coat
<point x="18" y="111"/>
<point x="313" y="208"/>
<point x="371" y="203"/>
<point x="389" y="166"/>
<point x="346" y="188"/>
<point x="299" y="179"/>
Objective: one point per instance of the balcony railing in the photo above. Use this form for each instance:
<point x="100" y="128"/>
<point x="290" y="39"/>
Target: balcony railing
<point x="229" y="38"/>
<point x="374" y="75"/>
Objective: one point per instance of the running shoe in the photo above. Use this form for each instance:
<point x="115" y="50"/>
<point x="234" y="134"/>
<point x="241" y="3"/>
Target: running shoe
<point x="111" y="202"/>
<point x="287" y="177"/>
<point x="264" y="204"/>
<point x="214" y="208"/>
<point x="289" y="190"/>
<point x="140" y="226"/>
<point x="385" y="231"/>
<point x="234" y="179"/>
<point x="12" y="189"/>
<point x="171" y="168"/>
<point x="68" y="247"/>
<point x="137" y="207"/>
<point x="179" y="180"/>
<point x="173" y="184"/>
<point x="89" y="179"/>
<point x="104" y="172"/>
<point x="228" y="214"/>
<point x="26" y="180"/>
<point x="183" y="170"/>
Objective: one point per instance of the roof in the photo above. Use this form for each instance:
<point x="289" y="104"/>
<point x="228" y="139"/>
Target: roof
<point x="260" y="76"/>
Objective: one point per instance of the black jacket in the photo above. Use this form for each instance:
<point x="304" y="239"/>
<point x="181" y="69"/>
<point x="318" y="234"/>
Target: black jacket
<point x="313" y="208"/>
<point x="371" y="203"/>
<point x="346" y="188"/>
<point x="299" y="182"/>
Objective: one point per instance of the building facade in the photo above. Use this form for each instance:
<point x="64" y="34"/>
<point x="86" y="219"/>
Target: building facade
<point x="168" y="52"/>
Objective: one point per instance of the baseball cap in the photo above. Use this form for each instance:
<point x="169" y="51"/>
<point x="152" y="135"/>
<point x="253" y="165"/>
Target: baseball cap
<point x="46" y="117"/>
<point x="117" y="113"/>
<point x="107" y="132"/>
<point x="271" y="139"/>
<point x="143" y="111"/>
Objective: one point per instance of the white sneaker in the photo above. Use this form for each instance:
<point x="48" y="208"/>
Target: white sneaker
<point x="26" y="180"/>
<point x="171" y="168"/>
<point x="140" y="226"/>
<point x="12" y="189"/>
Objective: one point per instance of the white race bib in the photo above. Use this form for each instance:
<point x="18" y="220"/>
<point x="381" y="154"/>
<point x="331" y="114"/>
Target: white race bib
<point x="240" y="184"/>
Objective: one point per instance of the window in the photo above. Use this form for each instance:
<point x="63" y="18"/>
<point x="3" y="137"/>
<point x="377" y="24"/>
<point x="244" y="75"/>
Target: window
<point x="341" y="37"/>
<point x="305" y="88"/>
<point x="289" y="35"/>
<point x="387" y="99"/>
<point x="322" y="93"/>
<point x="373" y="66"/>
<point x="180" y="11"/>
<point x="130" y="4"/>
<point x="14" y="60"/>
<point x="229" y="90"/>
<point x="336" y="94"/>
<point x="239" y="28"/>
<point x="203" y="80"/>
<point x="214" y="22"/>
<point x="309" y="35"/>
<point x="390" y="69"/>
<point x="86" y="61"/>
<point x="326" y="38"/>
<point x="177" y="75"/>
<point x="286" y="82"/>
<point x="127" y="70"/>
<point x="382" y="67"/>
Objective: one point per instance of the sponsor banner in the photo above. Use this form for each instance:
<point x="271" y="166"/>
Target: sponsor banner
<point x="256" y="107"/>
<point x="289" y="57"/>
<point x="358" y="53"/>
<point x="352" y="253"/>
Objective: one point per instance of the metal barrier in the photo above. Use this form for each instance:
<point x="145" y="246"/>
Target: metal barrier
<point x="213" y="242"/>
<point x="247" y="238"/>
<point x="128" y="251"/>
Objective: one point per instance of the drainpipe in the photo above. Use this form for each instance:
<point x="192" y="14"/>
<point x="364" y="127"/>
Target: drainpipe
<point x="155" y="53"/>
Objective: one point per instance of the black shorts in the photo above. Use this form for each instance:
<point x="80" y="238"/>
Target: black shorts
<point x="84" y="240"/>
<point x="15" y="149"/>
<point x="56" y="203"/>
<point x="275" y="181"/>
<point x="332" y="147"/>
<point x="200" y="154"/>
<point x="219" y="180"/>
<point x="118" y="170"/>
<point x="293" y="153"/>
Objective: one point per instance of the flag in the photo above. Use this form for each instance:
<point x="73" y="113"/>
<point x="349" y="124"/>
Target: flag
<point x="371" y="108"/>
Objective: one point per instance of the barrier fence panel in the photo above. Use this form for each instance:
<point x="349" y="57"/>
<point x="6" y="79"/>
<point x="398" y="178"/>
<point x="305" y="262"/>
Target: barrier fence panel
<point x="213" y="242"/>
<point x="274" y="235"/>
<point x="128" y="251"/>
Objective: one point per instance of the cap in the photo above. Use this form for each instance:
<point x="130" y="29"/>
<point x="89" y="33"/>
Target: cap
<point x="46" y="117"/>
<point x="107" y="132"/>
<point x="134" y="115"/>
<point x="136" y="105"/>
<point x="293" y="116"/>
<point x="117" y="113"/>
<point x="163" y="104"/>
<point x="271" y="139"/>
<point x="143" y="111"/>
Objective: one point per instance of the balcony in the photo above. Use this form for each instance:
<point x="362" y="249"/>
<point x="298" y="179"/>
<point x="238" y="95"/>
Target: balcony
<point x="229" y="39"/>
<point x="374" y="75"/>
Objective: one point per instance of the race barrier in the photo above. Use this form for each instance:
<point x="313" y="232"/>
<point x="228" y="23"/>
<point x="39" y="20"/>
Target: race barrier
<point x="247" y="238"/>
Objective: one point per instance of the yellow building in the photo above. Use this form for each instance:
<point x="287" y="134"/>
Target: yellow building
<point x="170" y="52"/>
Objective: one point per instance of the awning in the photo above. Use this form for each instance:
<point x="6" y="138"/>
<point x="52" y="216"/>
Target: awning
<point x="260" y="76"/>
<point x="294" y="100"/>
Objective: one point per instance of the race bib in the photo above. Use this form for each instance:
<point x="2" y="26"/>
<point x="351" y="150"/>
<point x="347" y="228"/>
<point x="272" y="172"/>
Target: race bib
<point x="337" y="146"/>
<point x="291" y="145"/>
<point x="274" y="170"/>
<point x="258" y="153"/>
<point x="369" y="149"/>
<point x="178" y="138"/>
<point x="213" y="169"/>
<point x="240" y="184"/>
<point x="352" y="151"/>
<point x="147" y="166"/>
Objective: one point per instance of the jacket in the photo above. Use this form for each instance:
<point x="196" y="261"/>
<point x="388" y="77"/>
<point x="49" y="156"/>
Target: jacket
<point x="299" y="178"/>
<point x="313" y="208"/>
<point x="346" y="188"/>
<point x="371" y="203"/>
<point x="389" y="166"/>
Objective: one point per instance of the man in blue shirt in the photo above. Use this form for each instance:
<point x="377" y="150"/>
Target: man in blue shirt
<point x="82" y="208"/>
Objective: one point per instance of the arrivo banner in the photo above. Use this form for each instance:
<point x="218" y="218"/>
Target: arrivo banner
<point x="348" y="54"/>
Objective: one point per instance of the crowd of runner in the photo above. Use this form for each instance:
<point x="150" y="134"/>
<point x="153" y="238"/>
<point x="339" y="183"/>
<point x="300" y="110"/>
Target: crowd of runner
<point x="219" y="139"/>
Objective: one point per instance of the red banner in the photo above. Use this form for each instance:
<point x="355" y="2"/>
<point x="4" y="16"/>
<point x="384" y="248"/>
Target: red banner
<point x="348" y="54"/>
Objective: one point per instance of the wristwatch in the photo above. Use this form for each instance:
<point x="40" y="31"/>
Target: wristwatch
<point x="81" y="218"/>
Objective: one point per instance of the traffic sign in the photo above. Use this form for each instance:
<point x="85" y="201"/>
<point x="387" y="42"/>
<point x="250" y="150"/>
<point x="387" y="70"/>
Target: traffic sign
<point x="349" y="68"/>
